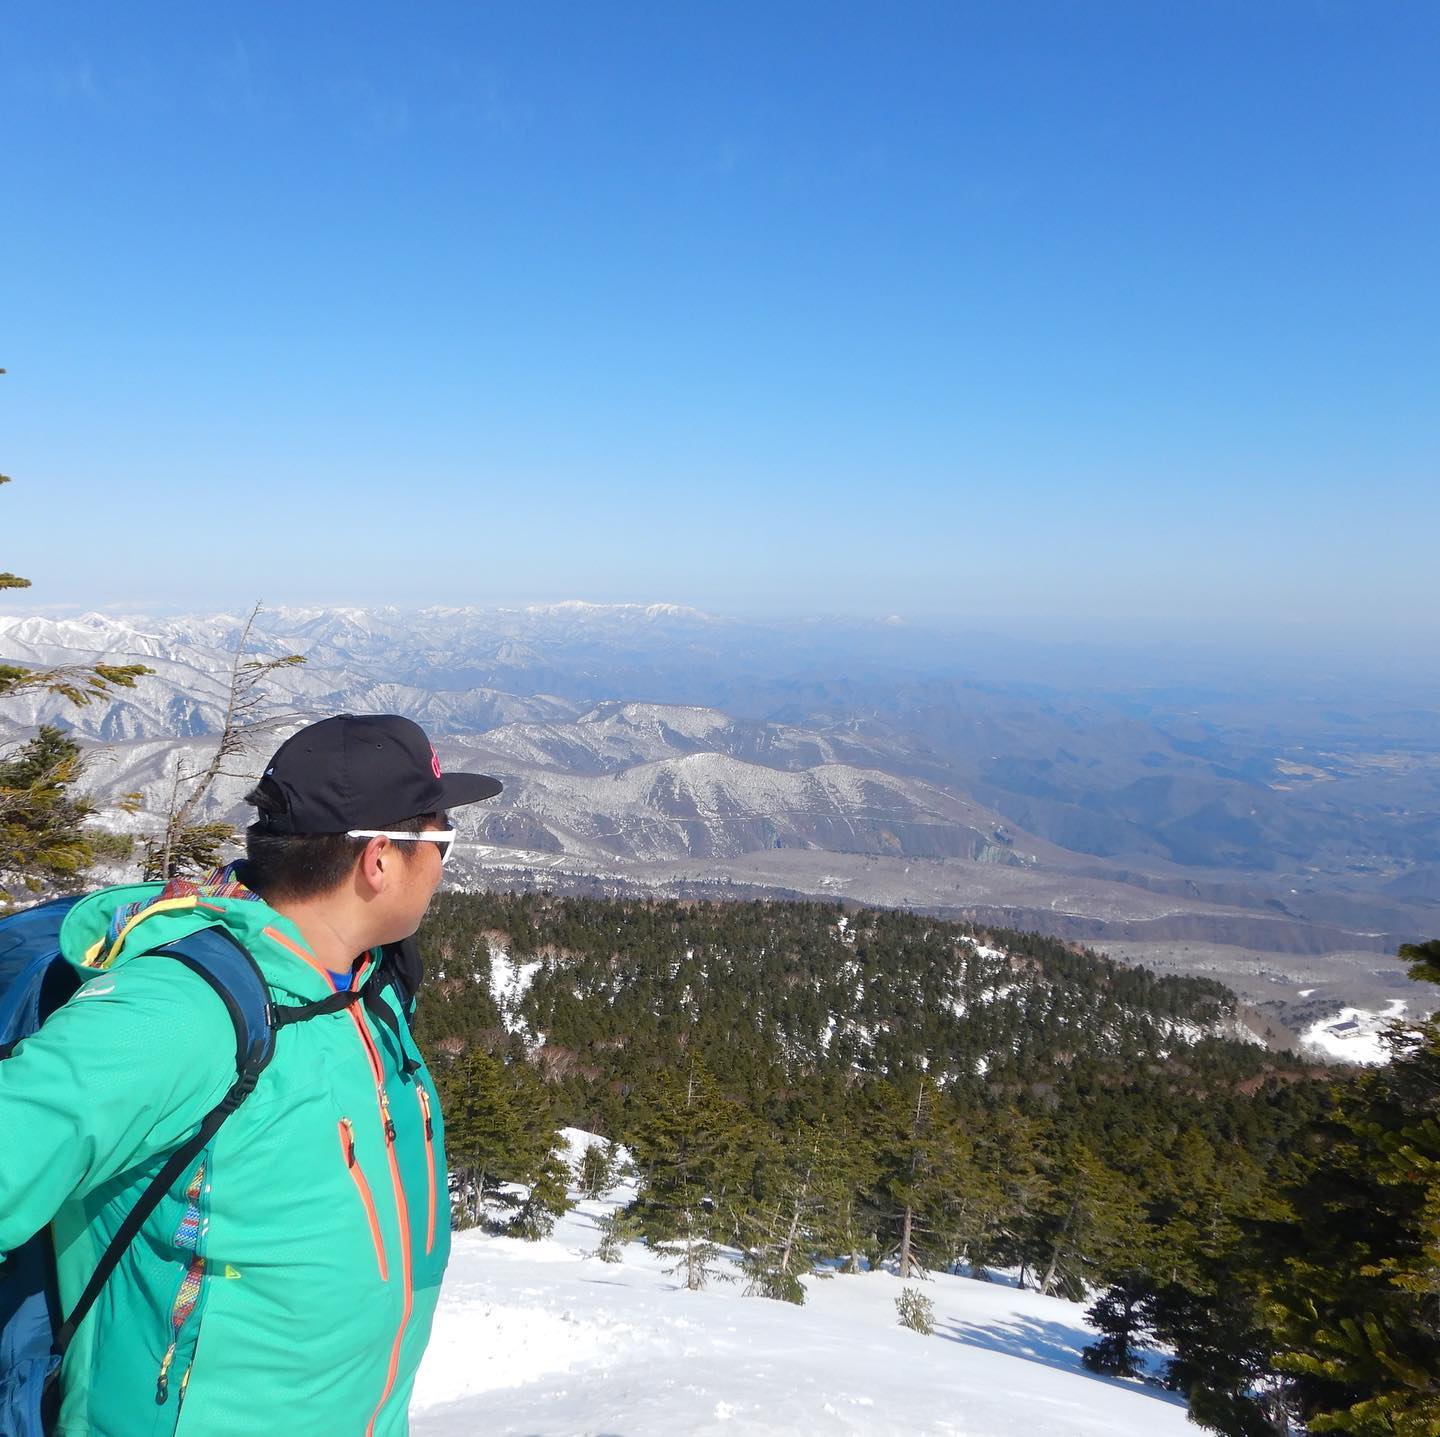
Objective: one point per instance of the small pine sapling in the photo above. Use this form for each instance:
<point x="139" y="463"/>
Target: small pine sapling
<point x="695" y="1260"/>
<point x="916" y="1311"/>
<point x="766" y="1279"/>
<point x="616" y="1230"/>
<point x="597" y="1170"/>
<point x="546" y="1200"/>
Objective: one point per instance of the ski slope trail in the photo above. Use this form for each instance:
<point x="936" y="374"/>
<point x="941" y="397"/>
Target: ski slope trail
<point x="540" y="1340"/>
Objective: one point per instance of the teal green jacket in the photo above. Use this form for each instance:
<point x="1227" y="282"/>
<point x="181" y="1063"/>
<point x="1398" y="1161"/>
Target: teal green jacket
<point x="286" y="1285"/>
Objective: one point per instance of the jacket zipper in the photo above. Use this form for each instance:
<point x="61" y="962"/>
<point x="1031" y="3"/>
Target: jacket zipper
<point x="162" y="1382"/>
<point x="402" y="1211"/>
<point x="347" y="1149"/>
<point x="185" y="1379"/>
<point x="187" y="1293"/>
<point x="182" y="1306"/>
<point x="429" y="1164"/>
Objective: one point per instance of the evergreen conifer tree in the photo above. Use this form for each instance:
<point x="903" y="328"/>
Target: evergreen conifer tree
<point x="1222" y="1355"/>
<point x="915" y="1311"/>
<point x="1123" y="1316"/>
<point x="690" y="1153"/>
<point x="804" y="1220"/>
<point x="1092" y="1219"/>
<point x="546" y="1200"/>
<point x="1353" y="1297"/>
<point x="922" y="1158"/>
<point x="485" y="1139"/>
<point x="1019" y="1151"/>
<point x="597" y="1169"/>
<point x="79" y="683"/>
<point x="42" y="842"/>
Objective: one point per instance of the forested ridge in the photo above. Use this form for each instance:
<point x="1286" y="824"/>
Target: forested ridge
<point x="773" y="992"/>
<point x="822" y="1091"/>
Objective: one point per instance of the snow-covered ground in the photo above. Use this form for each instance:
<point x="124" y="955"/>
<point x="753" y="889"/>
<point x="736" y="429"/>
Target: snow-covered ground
<point x="1354" y="1034"/>
<point x="541" y="1340"/>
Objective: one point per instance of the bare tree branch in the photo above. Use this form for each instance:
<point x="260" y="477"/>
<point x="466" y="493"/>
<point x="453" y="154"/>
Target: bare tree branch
<point x="183" y="839"/>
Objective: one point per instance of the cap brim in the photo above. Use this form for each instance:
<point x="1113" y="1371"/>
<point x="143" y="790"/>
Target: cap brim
<point x="462" y="788"/>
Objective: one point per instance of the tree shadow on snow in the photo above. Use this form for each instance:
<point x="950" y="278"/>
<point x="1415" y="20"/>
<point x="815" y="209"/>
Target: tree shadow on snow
<point x="1052" y="1344"/>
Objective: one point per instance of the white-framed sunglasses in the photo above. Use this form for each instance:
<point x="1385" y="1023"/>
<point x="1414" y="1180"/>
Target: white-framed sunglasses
<point x="445" y="837"/>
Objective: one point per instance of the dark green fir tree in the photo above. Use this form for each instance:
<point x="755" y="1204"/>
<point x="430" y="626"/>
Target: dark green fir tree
<point x="1353" y="1297"/>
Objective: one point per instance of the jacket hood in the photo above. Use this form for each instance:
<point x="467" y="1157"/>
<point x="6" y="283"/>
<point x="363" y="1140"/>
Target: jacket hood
<point x="114" y="925"/>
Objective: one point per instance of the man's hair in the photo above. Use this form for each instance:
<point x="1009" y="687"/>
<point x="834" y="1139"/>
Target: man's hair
<point x="293" y="866"/>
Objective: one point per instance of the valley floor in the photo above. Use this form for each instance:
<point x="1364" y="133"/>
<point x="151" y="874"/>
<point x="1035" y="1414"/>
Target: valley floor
<point x="540" y="1340"/>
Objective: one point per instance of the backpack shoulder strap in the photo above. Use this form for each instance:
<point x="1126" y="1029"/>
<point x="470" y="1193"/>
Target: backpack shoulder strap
<point x="401" y="971"/>
<point x="237" y="981"/>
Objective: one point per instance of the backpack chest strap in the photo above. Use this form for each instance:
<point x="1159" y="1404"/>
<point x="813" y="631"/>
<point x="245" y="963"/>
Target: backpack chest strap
<point x="282" y="1015"/>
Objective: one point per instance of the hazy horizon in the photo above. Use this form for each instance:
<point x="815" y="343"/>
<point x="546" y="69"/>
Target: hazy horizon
<point x="1257" y="657"/>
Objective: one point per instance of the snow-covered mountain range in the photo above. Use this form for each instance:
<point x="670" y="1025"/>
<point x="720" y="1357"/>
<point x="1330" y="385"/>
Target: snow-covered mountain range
<point x="593" y="779"/>
<point x="656" y="747"/>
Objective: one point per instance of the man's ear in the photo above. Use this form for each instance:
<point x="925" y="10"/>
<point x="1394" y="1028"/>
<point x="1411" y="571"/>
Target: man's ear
<point x="376" y="864"/>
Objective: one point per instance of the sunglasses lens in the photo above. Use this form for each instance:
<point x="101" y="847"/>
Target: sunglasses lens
<point x="447" y="847"/>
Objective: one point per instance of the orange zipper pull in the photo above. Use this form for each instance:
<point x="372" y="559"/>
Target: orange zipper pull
<point x="425" y="1108"/>
<point x="385" y="1113"/>
<point x="347" y="1129"/>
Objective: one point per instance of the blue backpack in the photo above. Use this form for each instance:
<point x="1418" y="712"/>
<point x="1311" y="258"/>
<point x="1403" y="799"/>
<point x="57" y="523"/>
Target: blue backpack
<point x="35" y="979"/>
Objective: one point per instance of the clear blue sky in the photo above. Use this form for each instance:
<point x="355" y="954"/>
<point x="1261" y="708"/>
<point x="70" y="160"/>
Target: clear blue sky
<point x="1089" y="311"/>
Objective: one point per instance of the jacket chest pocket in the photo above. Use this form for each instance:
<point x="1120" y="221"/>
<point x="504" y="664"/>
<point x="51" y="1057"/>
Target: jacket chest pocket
<point x="366" y="1196"/>
<point x="428" y="1122"/>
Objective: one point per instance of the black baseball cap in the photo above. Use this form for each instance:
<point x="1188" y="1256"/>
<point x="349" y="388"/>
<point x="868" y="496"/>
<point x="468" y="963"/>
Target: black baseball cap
<point x="362" y="771"/>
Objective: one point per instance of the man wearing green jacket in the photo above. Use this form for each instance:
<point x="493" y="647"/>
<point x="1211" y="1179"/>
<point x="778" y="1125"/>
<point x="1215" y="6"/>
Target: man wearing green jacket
<point x="286" y="1285"/>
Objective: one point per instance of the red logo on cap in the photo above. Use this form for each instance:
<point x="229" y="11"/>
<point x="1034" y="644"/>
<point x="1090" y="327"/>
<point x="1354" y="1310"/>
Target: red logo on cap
<point x="435" y="763"/>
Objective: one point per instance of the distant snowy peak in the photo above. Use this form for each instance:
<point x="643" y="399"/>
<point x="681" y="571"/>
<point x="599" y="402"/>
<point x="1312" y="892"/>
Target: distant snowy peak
<point x="25" y="628"/>
<point x="583" y="608"/>
<point x="54" y="641"/>
<point x="614" y="735"/>
<point x="579" y="651"/>
<point x="709" y="804"/>
<point x="341" y="625"/>
<point x="689" y="720"/>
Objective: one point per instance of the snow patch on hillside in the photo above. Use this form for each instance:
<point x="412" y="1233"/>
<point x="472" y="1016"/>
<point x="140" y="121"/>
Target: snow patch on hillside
<point x="983" y="950"/>
<point x="998" y="992"/>
<point x="509" y="982"/>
